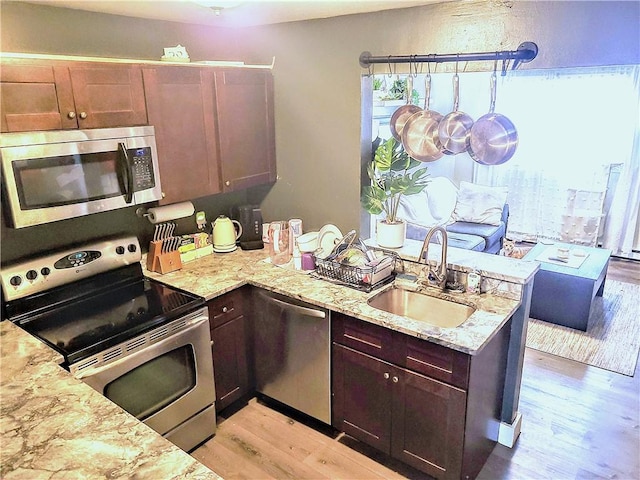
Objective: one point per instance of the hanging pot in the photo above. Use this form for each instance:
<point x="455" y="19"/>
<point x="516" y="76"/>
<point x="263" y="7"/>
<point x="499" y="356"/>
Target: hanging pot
<point x="493" y="138"/>
<point x="402" y="114"/>
<point x="454" y="128"/>
<point x="420" y="132"/>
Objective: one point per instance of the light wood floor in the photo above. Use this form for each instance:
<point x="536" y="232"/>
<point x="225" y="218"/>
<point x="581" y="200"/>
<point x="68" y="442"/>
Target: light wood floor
<point x="578" y="422"/>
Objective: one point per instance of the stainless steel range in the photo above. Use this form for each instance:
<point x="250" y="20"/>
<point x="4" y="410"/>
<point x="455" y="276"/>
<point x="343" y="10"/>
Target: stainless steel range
<point x="142" y="344"/>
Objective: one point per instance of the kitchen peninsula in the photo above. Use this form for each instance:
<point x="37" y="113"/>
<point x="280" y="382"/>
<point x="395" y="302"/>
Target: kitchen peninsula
<point x="52" y="422"/>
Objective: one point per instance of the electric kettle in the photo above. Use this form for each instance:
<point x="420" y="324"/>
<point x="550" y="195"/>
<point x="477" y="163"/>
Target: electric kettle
<point x="225" y="234"/>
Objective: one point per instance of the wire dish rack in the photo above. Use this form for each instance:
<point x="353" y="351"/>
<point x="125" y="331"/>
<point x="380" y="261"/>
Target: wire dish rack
<point x="361" y="278"/>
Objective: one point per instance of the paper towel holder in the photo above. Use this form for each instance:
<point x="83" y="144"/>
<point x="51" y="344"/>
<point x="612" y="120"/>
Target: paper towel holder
<point x="142" y="212"/>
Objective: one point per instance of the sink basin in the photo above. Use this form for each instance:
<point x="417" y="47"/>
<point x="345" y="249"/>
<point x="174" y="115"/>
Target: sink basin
<point x="423" y="308"/>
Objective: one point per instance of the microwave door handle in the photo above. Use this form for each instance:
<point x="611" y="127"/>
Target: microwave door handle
<point x="126" y="172"/>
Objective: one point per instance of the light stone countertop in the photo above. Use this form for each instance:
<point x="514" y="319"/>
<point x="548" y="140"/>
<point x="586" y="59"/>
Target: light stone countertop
<point x="216" y="274"/>
<point x="55" y="426"/>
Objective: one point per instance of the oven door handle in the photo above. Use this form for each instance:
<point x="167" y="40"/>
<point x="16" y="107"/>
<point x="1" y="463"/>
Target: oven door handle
<point x="141" y="355"/>
<point x="127" y="172"/>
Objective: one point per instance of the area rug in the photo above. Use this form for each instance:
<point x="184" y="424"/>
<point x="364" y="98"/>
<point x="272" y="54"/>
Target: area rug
<point x="612" y="339"/>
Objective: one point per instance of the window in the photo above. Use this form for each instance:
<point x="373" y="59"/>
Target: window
<point x="576" y="172"/>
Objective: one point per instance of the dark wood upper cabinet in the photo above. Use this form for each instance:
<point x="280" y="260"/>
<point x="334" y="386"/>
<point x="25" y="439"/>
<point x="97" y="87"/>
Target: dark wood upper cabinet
<point x="214" y="129"/>
<point x="244" y="107"/>
<point x="214" y="126"/>
<point x="180" y="103"/>
<point x="53" y="95"/>
<point x="108" y="95"/>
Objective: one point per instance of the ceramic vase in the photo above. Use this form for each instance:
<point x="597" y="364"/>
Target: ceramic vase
<point x="390" y="235"/>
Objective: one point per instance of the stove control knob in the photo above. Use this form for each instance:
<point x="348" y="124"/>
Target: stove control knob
<point x="132" y="248"/>
<point x="15" y="280"/>
<point x="120" y="250"/>
<point x="32" y="275"/>
<point x="45" y="271"/>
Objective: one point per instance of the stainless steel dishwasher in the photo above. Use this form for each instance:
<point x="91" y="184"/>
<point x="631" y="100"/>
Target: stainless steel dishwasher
<point x="293" y="354"/>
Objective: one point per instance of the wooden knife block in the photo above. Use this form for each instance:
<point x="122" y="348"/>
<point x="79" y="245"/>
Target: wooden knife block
<point x="160" y="262"/>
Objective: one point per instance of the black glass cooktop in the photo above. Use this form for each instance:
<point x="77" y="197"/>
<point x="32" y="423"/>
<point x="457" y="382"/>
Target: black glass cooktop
<point x="80" y="325"/>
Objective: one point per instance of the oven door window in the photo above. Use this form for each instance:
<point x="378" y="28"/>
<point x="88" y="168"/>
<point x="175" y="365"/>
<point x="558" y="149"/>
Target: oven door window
<point x="67" y="179"/>
<point x="155" y="384"/>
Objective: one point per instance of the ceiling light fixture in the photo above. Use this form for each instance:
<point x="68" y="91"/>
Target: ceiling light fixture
<point x="218" y="5"/>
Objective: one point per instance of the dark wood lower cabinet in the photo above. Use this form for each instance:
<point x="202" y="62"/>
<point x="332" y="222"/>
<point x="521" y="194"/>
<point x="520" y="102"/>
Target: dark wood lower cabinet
<point x="229" y="348"/>
<point x="444" y="430"/>
<point x="362" y="397"/>
<point x="230" y="362"/>
<point x="427" y="423"/>
<point x="404" y="414"/>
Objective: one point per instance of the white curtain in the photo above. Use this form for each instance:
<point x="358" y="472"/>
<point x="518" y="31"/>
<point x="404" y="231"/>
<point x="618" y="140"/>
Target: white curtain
<point x="624" y="217"/>
<point x="573" y="124"/>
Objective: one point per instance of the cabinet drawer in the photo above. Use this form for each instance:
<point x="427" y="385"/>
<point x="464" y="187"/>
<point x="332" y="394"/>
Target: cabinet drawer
<point x="436" y="361"/>
<point x="224" y="308"/>
<point x="365" y="337"/>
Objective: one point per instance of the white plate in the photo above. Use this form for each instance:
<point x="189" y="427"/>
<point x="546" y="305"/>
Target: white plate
<point x="327" y="238"/>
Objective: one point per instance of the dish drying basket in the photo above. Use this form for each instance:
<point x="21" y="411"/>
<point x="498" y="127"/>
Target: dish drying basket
<point x="365" y="278"/>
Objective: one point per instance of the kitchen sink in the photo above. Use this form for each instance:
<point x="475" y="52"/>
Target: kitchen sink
<point x="421" y="307"/>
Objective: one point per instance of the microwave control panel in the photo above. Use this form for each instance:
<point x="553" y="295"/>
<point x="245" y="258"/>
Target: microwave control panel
<point x="142" y="166"/>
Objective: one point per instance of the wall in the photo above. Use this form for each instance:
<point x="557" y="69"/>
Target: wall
<point x="317" y="76"/>
<point x="318" y="80"/>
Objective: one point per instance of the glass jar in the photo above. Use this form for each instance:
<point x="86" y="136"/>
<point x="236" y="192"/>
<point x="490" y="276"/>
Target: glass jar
<point x="279" y="247"/>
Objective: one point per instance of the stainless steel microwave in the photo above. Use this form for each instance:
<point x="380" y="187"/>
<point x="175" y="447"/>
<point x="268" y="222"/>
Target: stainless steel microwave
<point x="50" y="176"/>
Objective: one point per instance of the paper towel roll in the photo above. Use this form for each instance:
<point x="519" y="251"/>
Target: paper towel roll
<point x="170" y="212"/>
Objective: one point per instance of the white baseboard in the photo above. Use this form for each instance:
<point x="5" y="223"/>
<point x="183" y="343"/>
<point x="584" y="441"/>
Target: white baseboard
<point x="508" y="433"/>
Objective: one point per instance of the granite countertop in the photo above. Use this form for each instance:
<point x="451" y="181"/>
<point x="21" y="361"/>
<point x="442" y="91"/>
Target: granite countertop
<point x="219" y="273"/>
<point x="55" y="426"/>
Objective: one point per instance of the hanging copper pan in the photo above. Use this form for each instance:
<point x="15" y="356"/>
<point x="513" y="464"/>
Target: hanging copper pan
<point x="454" y="128"/>
<point x="420" y="132"/>
<point x="493" y="138"/>
<point x="402" y="114"/>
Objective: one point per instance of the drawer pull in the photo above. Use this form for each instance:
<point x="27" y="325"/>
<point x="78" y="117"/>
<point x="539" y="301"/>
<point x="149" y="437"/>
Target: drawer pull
<point x="386" y="376"/>
<point x="394" y="379"/>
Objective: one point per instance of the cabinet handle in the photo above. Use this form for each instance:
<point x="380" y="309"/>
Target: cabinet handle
<point x="386" y="376"/>
<point x="83" y="115"/>
<point x="212" y="343"/>
<point x="225" y="309"/>
<point x="71" y="115"/>
<point x="394" y="379"/>
<point x="227" y="183"/>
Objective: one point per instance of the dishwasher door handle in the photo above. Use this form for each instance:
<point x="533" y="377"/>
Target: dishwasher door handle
<point x="309" y="312"/>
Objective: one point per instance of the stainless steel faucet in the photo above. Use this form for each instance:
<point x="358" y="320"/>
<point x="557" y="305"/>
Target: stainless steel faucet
<point x="438" y="275"/>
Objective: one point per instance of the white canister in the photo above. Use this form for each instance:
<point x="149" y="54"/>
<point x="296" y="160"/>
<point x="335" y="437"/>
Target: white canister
<point x="473" y="282"/>
<point x="295" y="230"/>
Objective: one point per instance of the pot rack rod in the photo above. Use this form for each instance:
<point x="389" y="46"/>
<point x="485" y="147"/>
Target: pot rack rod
<point x="526" y="52"/>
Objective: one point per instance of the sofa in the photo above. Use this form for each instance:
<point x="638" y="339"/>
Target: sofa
<point x="475" y="216"/>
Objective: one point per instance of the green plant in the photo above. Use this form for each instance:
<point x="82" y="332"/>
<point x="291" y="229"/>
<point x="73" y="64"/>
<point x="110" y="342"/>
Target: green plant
<point x="398" y="89"/>
<point x="393" y="173"/>
<point x="377" y="84"/>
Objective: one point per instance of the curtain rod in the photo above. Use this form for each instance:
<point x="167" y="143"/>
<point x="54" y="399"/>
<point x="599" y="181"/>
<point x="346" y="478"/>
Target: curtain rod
<point x="526" y="52"/>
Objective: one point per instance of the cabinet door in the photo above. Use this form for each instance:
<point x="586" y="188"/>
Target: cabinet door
<point x="244" y="106"/>
<point x="428" y="419"/>
<point x="35" y="97"/>
<point x="180" y="106"/>
<point x="108" y="95"/>
<point x="230" y="367"/>
<point x="362" y="397"/>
